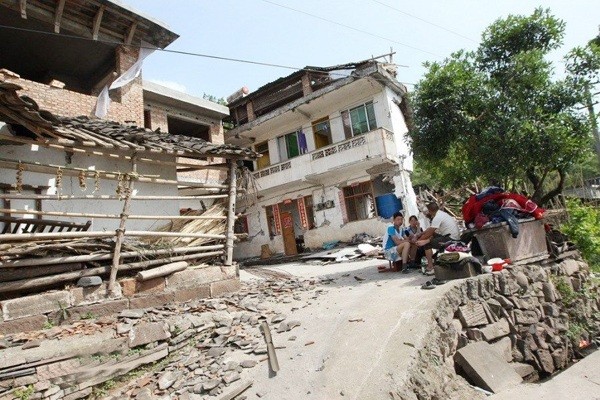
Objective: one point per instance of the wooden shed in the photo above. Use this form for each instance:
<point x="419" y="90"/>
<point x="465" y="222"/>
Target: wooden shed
<point x="75" y="190"/>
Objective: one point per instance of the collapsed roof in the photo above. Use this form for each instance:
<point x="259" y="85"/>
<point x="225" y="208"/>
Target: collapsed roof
<point x="29" y="122"/>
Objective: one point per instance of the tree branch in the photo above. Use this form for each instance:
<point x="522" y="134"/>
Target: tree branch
<point x="557" y="190"/>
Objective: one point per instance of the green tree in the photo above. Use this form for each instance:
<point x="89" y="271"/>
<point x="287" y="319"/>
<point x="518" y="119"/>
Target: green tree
<point x="497" y="114"/>
<point x="583" y="64"/>
<point x="215" y="99"/>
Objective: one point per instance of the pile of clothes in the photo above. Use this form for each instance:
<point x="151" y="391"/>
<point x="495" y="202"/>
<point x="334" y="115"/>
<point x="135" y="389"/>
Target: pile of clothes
<point x="493" y="205"/>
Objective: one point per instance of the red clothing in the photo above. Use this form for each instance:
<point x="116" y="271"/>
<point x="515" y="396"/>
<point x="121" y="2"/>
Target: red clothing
<point x="473" y="207"/>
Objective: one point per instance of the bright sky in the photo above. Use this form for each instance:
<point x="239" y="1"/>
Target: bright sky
<point x="259" y="30"/>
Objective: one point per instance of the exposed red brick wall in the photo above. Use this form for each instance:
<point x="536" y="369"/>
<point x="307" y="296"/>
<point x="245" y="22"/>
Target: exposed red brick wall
<point x="127" y="105"/>
<point x="158" y="119"/>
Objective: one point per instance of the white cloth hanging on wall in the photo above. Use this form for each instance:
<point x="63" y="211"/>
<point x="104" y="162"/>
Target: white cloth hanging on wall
<point x="128" y="76"/>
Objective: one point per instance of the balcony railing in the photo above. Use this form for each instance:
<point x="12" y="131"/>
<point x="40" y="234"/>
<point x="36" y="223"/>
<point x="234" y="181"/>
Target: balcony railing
<point x="323" y="152"/>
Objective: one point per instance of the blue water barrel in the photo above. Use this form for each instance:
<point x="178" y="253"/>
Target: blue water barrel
<point x="387" y="205"/>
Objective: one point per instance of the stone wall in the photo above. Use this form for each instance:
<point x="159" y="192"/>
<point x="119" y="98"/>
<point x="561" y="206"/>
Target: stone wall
<point x="28" y="313"/>
<point x="534" y="317"/>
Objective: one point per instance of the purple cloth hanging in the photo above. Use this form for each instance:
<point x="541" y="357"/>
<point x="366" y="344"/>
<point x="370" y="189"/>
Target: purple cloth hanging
<point x="302" y="142"/>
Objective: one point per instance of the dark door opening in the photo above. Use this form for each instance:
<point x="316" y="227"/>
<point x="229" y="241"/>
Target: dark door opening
<point x="178" y="126"/>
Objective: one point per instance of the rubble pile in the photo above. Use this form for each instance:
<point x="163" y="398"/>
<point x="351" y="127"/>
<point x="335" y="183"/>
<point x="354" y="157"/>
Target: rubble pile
<point x="194" y="350"/>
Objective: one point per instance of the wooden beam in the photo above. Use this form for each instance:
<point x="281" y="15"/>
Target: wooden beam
<point x="121" y="230"/>
<point x="163" y="270"/>
<point x="34" y="262"/>
<point x="130" y="33"/>
<point x="231" y="213"/>
<point x="13" y="196"/>
<point x="9" y="237"/>
<point x="23" y="7"/>
<point x="58" y="15"/>
<point x="98" y="22"/>
<point x="109" y="216"/>
<point x="48" y="144"/>
<point x="68" y="276"/>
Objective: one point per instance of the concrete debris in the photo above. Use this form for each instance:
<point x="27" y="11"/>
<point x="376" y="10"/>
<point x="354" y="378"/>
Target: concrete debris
<point x="132" y="313"/>
<point x="486" y="368"/>
<point x="197" y="336"/>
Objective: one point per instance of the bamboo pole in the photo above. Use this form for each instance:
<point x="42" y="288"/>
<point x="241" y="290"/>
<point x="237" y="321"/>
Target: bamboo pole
<point x="231" y="213"/>
<point x="107" y="197"/>
<point x="121" y="230"/>
<point x="33" y="283"/>
<point x="9" y="237"/>
<point x="144" y="264"/>
<point x="34" y="262"/>
<point x="51" y="168"/>
<point x="108" y="216"/>
<point x="69" y="171"/>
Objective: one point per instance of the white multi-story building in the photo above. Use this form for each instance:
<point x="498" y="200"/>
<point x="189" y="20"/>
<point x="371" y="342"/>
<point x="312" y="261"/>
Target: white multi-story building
<point x="333" y="146"/>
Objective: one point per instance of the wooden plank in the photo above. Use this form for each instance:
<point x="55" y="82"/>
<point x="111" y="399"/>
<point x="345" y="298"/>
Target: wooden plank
<point x="98" y="22"/>
<point x="58" y="16"/>
<point x="237" y="391"/>
<point x="17" y="274"/>
<point x="131" y="33"/>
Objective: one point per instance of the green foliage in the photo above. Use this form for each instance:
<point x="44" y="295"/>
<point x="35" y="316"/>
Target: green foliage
<point x="24" y="393"/>
<point x="48" y="325"/>
<point x="574" y="331"/>
<point x="497" y="114"/>
<point x="583" y="228"/>
<point x="565" y="290"/>
<point x="215" y="99"/>
<point x="88" y="315"/>
<point x="102" y="390"/>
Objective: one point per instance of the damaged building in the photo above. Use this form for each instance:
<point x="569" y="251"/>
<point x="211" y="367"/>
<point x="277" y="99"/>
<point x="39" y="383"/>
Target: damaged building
<point x="335" y="161"/>
<point x="63" y="54"/>
<point x="149" y="184"/>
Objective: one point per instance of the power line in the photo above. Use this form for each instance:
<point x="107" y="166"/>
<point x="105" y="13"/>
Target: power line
<point x="350" y="27"/>
<point x="424" y="20"/>
<point x="181" y="52"/>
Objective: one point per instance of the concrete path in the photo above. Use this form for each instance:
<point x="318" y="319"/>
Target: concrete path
<point x="581" y="381"/>
<point x="363" y="359"/>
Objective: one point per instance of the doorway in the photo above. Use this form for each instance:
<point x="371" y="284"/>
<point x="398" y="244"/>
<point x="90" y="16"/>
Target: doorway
<point x="289" y="237"/>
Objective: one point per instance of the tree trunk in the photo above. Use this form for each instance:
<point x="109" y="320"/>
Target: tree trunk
<point x="556" y="191"/>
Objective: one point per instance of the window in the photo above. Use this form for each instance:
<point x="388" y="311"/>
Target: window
<point x="147" y="119"/>
<point x="241" y="225"/>
<point x="271" y="221"/>
<point x="310" y="214"/>
<point x="264" y="161"/>
<point x="359" y="201"/>
<point x="322" y="132"/>
<point x="359" y="120"/>
<point x="290" y="145"/>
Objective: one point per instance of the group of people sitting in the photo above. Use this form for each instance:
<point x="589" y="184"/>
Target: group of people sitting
<point x="404" y="246"/>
